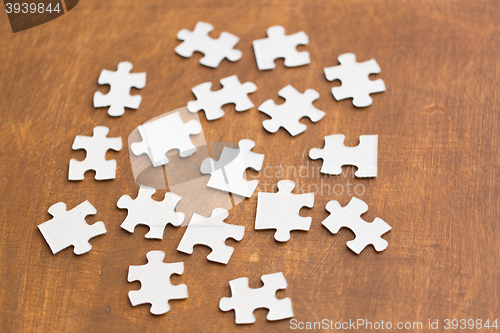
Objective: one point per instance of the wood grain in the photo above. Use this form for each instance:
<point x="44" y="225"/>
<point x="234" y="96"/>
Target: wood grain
<point x="439" y="163"/>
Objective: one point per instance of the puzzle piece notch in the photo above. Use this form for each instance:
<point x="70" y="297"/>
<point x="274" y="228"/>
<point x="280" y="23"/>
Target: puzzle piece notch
<point x="231" y="177"/>
<point x="211" y="101"/>
<point x="118" y="97"/>
<point x="164" y="134"/>
<point x="354" y="76"/>
<point x="278" y="45"/>
<point x="227" y="156"/>
<point x="96" y="146"/>
<point x="245" y="300"/>
<point x="214" y="50"/>
<point x="156" y="288"/>
<point x="280" y="211"/>
<point x="335" y="154"/>
<point x="213" y="233"/>
<point x="350" y="217"/>
<point x="288" y="114"/>
<point x="69" y="228"/>
<point x="147" y="211"/>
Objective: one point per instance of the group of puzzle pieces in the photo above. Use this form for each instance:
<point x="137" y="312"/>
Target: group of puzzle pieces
<point x="157" y="290"/>
<point x="278" y="211"/>
<point x="353" y="75"/>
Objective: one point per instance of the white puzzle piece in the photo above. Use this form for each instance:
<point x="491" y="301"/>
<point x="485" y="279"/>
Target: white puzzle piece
<point x="118" y="97"/>
<point x="280" y="210"/>
<point x="213" y="233"/>
<point x="244" y="300"/>
<point x="69" y="228"/>
<point x="350" y="217"/>
<point x="215" y="50"/>
<point x="96" y="146"/>
<point x="230" y="177"/>
<point x="278" y="45"/>
<point x="212" y="101"/>
<point x="355" y="81"/>
<point x="147" y="211"/>
<point x="288" y="114"/>
<point x="163" y="134"/>
<point x="156" y="288"/>
<point x="336" y="154"/>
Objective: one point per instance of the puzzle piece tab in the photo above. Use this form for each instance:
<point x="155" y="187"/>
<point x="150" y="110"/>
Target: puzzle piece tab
<point x="355" y="81"/>
<point x="350" y="217"/>
<point x="163" y="134"/>
<point x="215" y="50"/>
<point x="213" y="233"/>
<point x="230" y="177"/>
<point x="147" y="211"/>
<point x="156" y="288"/>
<point x="278" y="45"/>
<point x="280" y="210"/>
<point x="336" y="154"/>
<point x="118" y="97"/>
<point x="96" y="147"/>
<point x="68" y="228"/>
<point x="245" y="300"/>
<point x="211" y="101"/>
<point x="288" y="114"/>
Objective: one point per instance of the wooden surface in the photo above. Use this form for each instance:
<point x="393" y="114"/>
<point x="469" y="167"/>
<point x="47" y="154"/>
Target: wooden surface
<point x="438" y="181"/>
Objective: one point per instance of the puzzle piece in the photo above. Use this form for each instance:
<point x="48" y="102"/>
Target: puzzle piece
<point x="280" y="210"/>
<point x="213" y="233"/>
<point x="355" y="80"/>
<point x="245" y="300"/>
<point x="163" y="134"/>
<point x="156" y="288"/>
<point x="147" y="211"/>
<point x="96" y="146"/>
<point x="215" y="50"/>
<point x="278" y="45"/>
<point x="68" y="228"/>
<point x="288" y="114"/>
<point x="350" y="217"/>
<point x="211" y="101"/>
<point x="118" y="97"/>
<point x="335" y="155"/>
<point x="230" y="177"/>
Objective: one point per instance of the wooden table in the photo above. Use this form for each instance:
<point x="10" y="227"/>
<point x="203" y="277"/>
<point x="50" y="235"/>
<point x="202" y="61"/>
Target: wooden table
<point x="438" y="182"/>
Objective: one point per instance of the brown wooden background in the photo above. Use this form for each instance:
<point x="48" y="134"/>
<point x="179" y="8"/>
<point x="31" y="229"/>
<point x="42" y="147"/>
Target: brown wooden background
<point x="439" y="163"/>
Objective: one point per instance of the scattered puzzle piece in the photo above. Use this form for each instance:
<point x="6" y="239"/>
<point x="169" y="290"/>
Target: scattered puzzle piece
<point x="355" y="80"/>
<point x="147" y="211"/>
<point x="118" y="97"/>
<point x="215" y="50"/>
<point x="350" y="217"/>
<point x="288" y="114"/>
<point x="163" y="134"/>
<point x="280" y="210"/>
<point x="278" y="45"/>
<point x="213" y="233"/>
<point x="211" y="101"/>
<point x="335" y="155"/>
<point x="230" y="177"/>
<point x="96" y="147"/>
<point x="68" y="228"/>
<point x="156" y="288"/>
<point x="245" y="300"/>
